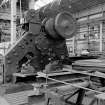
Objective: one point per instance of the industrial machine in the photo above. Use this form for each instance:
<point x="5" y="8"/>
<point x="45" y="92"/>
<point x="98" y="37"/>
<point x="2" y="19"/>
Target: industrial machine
<point x="43" y="43"/>
<point x="42" y="51"/>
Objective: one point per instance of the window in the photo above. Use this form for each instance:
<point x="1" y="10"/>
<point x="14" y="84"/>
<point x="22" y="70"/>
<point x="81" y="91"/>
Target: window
<point x="94" y="32"/>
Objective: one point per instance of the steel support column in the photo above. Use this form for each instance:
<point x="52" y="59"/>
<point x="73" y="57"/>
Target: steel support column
<point x="80" y="97"/>
<point x="101" y="37"/>
<point x="13" y="21"/>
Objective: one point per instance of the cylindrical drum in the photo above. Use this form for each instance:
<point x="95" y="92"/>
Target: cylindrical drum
<point x="63" y="25"/>
<point x="49" y="27"/>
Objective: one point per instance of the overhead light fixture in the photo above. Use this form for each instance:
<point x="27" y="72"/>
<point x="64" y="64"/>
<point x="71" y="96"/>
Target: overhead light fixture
<point x="45" y="2"/>
<point x="41" y="3"/>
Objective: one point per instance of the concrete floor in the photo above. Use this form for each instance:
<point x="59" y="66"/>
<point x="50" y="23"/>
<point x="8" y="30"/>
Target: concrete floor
<point x="40" y="100"/>
<point x="37" y="100"/>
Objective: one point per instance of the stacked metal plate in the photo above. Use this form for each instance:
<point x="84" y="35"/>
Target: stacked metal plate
<point x="90" y="65"/>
